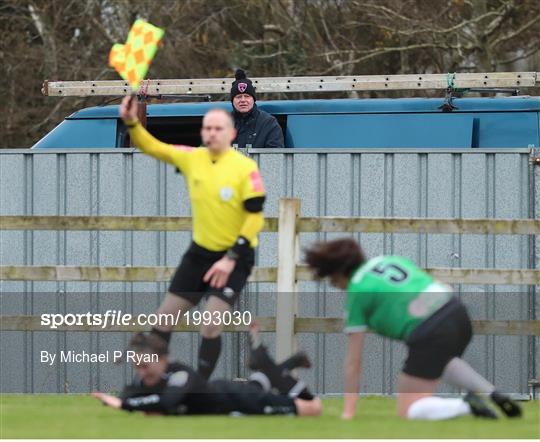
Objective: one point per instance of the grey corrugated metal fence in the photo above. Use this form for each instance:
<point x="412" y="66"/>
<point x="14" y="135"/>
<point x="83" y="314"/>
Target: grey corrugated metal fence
<point x="361" y="183"/>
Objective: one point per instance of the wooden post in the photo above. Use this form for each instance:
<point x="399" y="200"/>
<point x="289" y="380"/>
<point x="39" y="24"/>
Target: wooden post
<point x="287" y="302"/>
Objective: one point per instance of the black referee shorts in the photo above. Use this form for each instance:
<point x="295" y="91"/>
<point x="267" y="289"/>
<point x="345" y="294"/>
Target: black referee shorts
<point x="187" y="282"/>
<point x="440" y="338"/>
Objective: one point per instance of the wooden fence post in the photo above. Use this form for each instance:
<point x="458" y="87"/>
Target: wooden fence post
<point x="287" y="301"/>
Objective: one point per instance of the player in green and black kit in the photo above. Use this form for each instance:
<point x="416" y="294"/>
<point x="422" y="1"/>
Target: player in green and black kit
<point x="391" y="296"/>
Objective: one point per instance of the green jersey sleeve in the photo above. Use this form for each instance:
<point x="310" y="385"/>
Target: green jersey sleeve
<point x="355" y="318"/>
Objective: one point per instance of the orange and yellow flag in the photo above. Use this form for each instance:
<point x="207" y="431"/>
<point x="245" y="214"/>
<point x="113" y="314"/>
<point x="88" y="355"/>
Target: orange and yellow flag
<point x="132" y="60"/>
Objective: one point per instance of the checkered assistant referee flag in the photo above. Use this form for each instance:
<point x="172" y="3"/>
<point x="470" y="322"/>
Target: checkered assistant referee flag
<point x="132" y="60"/>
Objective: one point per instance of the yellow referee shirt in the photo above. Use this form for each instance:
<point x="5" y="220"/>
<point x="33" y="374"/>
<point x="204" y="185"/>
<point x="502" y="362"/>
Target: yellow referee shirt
<point x="218" y="187"/>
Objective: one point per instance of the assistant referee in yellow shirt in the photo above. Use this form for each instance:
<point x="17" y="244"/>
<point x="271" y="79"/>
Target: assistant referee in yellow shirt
<point x="227" y="196"/>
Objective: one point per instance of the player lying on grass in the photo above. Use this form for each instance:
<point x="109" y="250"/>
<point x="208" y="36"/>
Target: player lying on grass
<point x="394" y="298"/>
<point x="166" y="387"/>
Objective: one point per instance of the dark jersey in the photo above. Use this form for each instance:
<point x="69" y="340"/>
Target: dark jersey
<point x="184" y="391"/>
<point x="180" y="391"/>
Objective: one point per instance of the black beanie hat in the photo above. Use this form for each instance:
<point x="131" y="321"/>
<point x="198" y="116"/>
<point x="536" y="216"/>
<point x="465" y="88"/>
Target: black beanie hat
<point x="242" y="85"/>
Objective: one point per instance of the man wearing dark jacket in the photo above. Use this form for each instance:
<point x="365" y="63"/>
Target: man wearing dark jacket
<point x="255" y="128"/>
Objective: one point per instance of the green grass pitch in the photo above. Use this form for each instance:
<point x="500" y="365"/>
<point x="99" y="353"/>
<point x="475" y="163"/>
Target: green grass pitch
<point x="74" y="416"/>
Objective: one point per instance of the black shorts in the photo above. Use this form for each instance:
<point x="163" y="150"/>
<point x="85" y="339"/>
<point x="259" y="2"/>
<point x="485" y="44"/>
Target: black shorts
<point x="440" y="338"/>
<point x="187" y="282"/>
<point x="247" y="398"/>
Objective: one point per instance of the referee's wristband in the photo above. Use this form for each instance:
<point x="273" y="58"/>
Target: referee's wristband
<point x="131" y="123"/>
<point x="241" y="248"/>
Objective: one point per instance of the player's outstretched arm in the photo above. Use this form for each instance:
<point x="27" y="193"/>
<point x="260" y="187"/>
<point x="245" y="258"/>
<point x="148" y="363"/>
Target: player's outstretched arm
<point x="165" y="402"/>
<point x="107" y="399"/>
<point x="353" y="370"/>
<point x="144" y="140"/>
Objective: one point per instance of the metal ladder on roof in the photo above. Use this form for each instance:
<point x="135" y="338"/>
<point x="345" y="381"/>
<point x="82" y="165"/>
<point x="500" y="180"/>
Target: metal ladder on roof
<point x="496" y="81"/>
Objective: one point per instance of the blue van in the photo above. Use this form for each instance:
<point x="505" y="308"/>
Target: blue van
<point x="332" y="123"/>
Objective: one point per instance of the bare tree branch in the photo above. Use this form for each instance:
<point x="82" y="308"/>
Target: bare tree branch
<point x="517" y="32"/>
<point x="523" y="56"/>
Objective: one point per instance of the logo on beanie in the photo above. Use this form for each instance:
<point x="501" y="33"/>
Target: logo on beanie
<point x="242" y="87"/>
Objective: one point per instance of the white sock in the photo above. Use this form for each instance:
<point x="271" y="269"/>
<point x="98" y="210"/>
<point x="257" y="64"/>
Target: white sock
<point x="437" y="408"/>
<point x="460" y="374"/>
